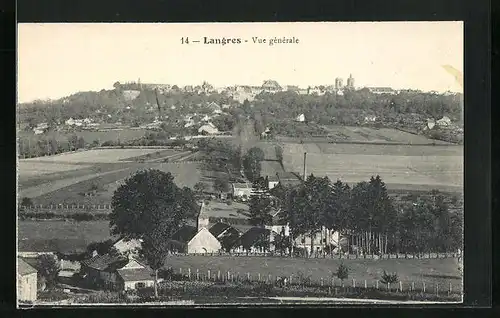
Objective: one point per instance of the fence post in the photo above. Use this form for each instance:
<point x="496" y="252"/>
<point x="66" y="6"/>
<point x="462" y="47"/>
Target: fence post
<point x="248" y="276"/>
<point x="321" y="281"/>
<point x="400" y="286"/>
<point x="180" y="271"/>
<point x="449" y="290"/>
<point x="365" y="284"/>
<point x="423" y="289"/>
<point x="388" y="286"/>
<point x="353" y="283"/>
<point x="412" y="286"/>
<point x="259" y="277"/>
<point x="437" y="289"/>
<point x="197" y="275"/>
<point x="189" y="273"/>
<point x="376" y="284"/>
<point x="291" y="279"/>
<point x="218" y="275"/>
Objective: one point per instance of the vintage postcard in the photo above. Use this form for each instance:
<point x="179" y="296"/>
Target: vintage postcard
<point x="240" y="163"/>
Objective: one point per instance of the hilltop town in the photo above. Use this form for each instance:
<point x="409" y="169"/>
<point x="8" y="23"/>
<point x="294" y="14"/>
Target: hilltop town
<point x="267" y="179"/>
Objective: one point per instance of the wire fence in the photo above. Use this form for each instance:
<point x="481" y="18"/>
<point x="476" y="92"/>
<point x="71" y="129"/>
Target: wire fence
<point x="333" y="284"/>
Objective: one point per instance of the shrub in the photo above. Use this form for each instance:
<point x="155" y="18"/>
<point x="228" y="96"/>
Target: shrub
<point x="342" y="272"/>
<point x="388" y="278"/>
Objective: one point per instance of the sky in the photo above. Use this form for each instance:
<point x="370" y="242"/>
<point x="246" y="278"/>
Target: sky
<point x="56" y="60"/>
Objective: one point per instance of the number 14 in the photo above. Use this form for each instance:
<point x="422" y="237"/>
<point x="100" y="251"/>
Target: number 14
<point x="185" y="40"/>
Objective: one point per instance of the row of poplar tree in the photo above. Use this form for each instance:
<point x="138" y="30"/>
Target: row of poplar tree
<point x="364" y="214"/>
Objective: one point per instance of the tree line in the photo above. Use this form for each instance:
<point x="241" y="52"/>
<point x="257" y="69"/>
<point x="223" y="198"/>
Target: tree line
<point x="364" y="214"/>
<point x="43" y="146"/>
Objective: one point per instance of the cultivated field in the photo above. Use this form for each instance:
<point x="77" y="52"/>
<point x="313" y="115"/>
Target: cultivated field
<point x="90" y="231"/>
<point x="30" y="169"/>
<point x="94" y="156"/>
<point x="442" y="271"/>
<point x="424" y="167"/>
<point x="89" y="136"/>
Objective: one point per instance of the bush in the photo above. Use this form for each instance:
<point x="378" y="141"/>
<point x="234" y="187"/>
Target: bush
<point x="342" y="272"/>
<point x="388" y="278"/>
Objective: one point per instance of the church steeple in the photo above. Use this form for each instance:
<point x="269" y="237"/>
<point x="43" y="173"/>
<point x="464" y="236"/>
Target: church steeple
<point x="203" y="219"/>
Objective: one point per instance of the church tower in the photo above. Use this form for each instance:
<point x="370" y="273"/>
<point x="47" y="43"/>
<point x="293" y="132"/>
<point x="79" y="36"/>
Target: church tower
<point x="203" y="219"/>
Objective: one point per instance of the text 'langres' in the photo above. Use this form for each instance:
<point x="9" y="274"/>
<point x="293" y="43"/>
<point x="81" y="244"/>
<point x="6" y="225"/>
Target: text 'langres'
<point x="254" y="40"/>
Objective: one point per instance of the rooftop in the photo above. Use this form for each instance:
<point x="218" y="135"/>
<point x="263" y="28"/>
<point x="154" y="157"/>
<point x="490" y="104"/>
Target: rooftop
<point x="185" y="234"/>
<point x="105" y="262"/>
<point x="24" y="268"/>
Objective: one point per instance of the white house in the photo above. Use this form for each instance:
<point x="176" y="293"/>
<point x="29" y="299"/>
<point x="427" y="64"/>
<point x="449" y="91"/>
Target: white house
<point x="209" y="129"/>
<point x="26" y="282"/>
<point x="443" y="122"/>
<point x="241" y="189"/>
<point x="431" y="123"/>
<point x="370" y="119"/>
<point x="301" y="118"/>
<point x="134" y="275"/>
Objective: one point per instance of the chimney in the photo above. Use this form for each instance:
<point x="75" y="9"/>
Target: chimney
<point x="305" y="158"/>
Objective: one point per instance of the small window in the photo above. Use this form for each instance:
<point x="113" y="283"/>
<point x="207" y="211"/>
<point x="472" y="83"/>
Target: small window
<point x="140" y="285"/>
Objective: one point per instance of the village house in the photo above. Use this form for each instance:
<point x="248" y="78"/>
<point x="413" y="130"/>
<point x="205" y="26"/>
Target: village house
<point x="241" y="190"/>
<point x="323" y="240"/>
<point x="444" y="122"/>
<point x="215" y="108"/>
<point x="117" y="272"/>
<point x="226" y="234"/>
<point x="26" y="282"/>
<point x="255" y="240"/>
<point x="208" y="129"/>
<point x="197" y="239"/>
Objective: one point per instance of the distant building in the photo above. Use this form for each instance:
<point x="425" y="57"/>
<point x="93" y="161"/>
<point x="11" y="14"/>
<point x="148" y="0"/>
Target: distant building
<point x="241" y="189"/>
<point x="444" y="122"/>
<point x="26" y="282"/>
<point x="301" y="118"/>
<point x="253" y="241"/>
<point x="350" y="82"/>
<point x="339" y="83"/>
<point x="382" y="90"/>
<point x="271" y="86"/>
<point x="208" y="129"/>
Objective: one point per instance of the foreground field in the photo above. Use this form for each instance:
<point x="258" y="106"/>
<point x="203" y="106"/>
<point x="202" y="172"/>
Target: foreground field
<point x="442" y="271"/>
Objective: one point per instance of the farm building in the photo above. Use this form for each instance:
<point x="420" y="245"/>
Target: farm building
<point x="135" y="275"/>
<point x="26" y="281"/>
<point x="123" y="245"/>
<point x="225" y="233"/>
<point x="272" y="181"/>
<point x="255" y="240"/>
<point x="116" y="272"/>
<point x="288" y="178"/>
<point x="197" y="239"/>
<point x="322" y="241"/>
<point x="241" y="189"/>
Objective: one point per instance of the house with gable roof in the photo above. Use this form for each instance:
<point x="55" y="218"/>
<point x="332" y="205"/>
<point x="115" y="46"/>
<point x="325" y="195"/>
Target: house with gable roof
<point x="197" y="239"/>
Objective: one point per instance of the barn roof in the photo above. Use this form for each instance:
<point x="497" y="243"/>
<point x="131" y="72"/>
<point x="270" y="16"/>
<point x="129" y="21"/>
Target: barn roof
<point x="252" y="237"/>
<point x="218" y="228"/>
<point x="185" y="234"/>
<point x="105" y="262"/>
<point x="24" y="268"/>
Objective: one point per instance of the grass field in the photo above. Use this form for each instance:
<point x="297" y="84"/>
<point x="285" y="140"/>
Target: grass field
<point x="425" y="169"/>
<point x="94" y="156"/>
<point x="442" y="271"/>
<point x="90" y="231"/>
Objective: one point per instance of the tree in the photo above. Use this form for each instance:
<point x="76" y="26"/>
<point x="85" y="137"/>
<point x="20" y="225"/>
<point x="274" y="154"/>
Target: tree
<point x="48" y="266"/>
<point x="25" y="201"/>
<point x="342" y="272"/>
<point x="200" y="188"/>
<point x="154" y="250"/>
<point x="221" y="184"/>
<point x="251" y="163"/>
<point x="80" y="144"/>
<point x="54" y="146"/>
<point x="148" y="199"/>
<point x="73" y="142"/>
<point x="260" y="205"/>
